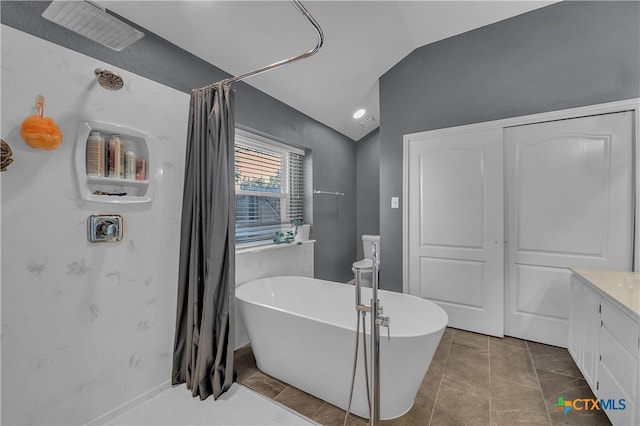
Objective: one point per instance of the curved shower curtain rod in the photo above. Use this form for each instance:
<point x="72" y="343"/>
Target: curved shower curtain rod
<point x="278" y="64"/>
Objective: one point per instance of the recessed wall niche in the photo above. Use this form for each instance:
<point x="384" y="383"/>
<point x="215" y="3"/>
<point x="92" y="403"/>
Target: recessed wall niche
<point x="106" y="181"/>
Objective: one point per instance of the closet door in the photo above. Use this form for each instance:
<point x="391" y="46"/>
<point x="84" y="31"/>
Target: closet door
<point x="455" y="250"/>
<point x="569" y="204"/>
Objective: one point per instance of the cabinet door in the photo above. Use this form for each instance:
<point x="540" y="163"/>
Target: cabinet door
<point x="614" y="395"/>
<point x="576" y="321"/>
<point x="591" y="318"/>
<point x="619" y="361"/>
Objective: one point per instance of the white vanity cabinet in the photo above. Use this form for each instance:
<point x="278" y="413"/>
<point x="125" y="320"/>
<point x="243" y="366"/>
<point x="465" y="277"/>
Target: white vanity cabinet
<point x="604" y="339"/>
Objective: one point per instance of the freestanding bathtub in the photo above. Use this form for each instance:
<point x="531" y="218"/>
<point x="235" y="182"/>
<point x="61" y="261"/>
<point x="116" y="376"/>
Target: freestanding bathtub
<point x="302" y="332"/>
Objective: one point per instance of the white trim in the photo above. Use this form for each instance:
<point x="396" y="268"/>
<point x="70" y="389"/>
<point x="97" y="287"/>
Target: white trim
<point x="259" y="247"/>
<point x="110" y="415"/>
<point x="636" y="189"/>
<point x="617" y="106"/>
<point x="405" y="213"/>
<point x="262" y="194"/>
<point x="632" y="104"/>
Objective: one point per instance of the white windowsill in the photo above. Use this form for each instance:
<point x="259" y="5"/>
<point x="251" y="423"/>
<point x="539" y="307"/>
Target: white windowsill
<point x="265" y="247"/>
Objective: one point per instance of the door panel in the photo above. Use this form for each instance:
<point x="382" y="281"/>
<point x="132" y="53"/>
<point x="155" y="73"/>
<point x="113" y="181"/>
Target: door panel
<point x="569" y="194"/>
<point x="455" y="228"/>
<point x="562" y="189"/>
<point x="452" y="281"/>
<point x="448" y="220"/>
<point x="541" y="290"/>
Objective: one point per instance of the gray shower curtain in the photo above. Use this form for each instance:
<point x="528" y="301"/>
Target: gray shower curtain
<point x="204" y="338"/>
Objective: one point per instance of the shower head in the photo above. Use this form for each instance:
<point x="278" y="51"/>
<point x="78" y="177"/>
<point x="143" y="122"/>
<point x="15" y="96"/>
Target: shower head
<point x="108" y="79"/>
<point x="93" y="22"/>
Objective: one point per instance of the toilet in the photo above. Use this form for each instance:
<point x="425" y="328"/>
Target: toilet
<point x="366" y="264"/>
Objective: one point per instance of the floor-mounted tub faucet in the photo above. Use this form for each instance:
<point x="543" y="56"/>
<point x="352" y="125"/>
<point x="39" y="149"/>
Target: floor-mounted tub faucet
<point x="377" y="320"/>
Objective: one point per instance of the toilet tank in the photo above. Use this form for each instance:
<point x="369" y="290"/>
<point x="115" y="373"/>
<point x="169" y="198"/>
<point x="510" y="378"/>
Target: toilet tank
<point x="366" y="245"/>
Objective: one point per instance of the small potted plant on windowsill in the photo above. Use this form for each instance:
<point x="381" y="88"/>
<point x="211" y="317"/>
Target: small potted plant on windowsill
<point x="288" y="236"/>
<point x="299" y="233"/>
<point x="283" y="237"/>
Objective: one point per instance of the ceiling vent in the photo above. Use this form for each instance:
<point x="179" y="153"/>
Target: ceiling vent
<point x="369" y="120"/>
<point x="93" y="22"/>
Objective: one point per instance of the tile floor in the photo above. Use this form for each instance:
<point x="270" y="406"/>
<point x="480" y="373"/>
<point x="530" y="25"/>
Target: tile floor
<point x="473" y="380"/>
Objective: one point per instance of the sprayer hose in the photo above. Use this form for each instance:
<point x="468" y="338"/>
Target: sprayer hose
<point x="355" y="365"/>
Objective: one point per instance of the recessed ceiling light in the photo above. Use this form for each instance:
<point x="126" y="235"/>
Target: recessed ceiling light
<point x="359" y="113"/>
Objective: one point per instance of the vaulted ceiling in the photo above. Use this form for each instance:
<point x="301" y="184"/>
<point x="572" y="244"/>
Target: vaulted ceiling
<point x="363" y="40"/>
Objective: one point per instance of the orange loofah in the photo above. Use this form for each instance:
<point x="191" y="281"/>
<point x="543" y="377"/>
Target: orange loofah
<point x="41" y="132"/>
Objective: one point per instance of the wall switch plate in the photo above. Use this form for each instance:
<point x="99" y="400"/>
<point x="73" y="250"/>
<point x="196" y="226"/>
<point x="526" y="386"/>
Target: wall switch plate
<point x="395" y="202"/>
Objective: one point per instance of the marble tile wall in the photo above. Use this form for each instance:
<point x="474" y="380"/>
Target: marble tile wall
<point x="86" y="327"/>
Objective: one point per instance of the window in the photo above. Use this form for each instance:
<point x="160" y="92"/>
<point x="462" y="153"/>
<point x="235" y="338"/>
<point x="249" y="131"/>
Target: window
<point x="269" y="180"/>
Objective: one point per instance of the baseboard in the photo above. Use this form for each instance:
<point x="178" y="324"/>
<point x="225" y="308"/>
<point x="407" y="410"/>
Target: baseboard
<point x="108" y="416"/>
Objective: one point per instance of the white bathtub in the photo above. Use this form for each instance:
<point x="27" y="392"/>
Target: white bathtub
<point x="302" y="332"/>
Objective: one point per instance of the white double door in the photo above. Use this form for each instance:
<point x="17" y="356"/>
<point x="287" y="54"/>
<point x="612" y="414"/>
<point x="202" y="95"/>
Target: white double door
<point x="495" y="217"/>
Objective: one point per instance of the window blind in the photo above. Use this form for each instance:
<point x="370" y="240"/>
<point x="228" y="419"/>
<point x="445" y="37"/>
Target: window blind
<point x="269" y="181"/>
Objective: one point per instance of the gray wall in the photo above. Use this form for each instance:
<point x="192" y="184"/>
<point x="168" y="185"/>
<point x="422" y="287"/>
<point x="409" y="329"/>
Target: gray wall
<point x="334" y="155"/>
<point x="565" y="55"/>
<point x="368" y="188"/>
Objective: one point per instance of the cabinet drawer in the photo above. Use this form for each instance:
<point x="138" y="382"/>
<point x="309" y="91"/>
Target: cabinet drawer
<point x="622" y="365"/>
<point x="621" y="327"/>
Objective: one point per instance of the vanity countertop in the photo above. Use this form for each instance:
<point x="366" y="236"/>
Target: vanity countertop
<point x="622" y="286"/>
